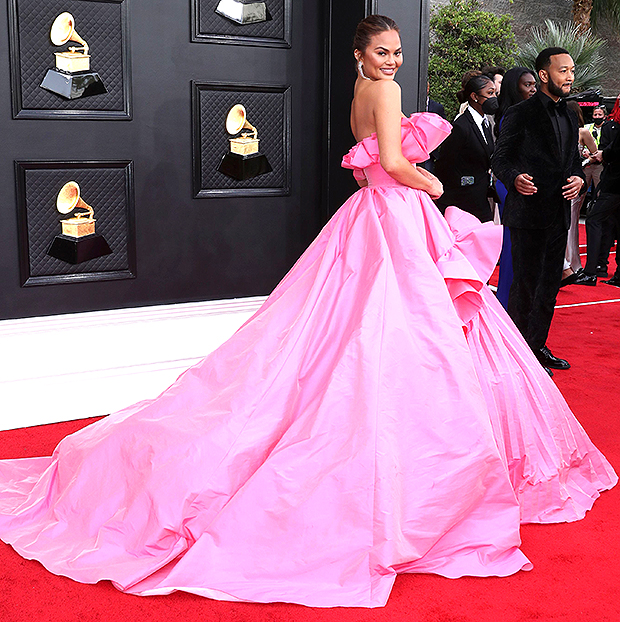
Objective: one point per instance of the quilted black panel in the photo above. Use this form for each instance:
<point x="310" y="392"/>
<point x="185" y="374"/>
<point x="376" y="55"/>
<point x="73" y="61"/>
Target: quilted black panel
<point x="99" y="23"/>
<point x="268" y="111"/>
<point x="277" y="28"/>
<point x="104" y="189"/>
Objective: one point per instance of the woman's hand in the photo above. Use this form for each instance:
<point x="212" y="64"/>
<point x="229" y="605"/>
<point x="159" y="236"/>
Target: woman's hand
<point x="436" y="187"/>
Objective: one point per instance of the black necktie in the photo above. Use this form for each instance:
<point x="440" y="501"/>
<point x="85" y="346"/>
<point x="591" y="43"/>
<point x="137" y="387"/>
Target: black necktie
<point x="488" y="134"/>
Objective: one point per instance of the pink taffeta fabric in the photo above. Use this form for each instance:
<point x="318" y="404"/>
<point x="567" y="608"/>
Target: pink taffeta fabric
<point x="379" y="414"/>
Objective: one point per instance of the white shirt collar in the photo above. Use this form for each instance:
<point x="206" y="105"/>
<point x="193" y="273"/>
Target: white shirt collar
<point x="478" y="118"/>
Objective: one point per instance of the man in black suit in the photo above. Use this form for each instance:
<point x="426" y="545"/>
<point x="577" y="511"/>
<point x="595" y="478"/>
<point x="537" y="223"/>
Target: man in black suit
<point x="601" y="225"/>
<point x="464" y="161"/>
<point x="606" y="207"/>
<point x="537" y="159"/>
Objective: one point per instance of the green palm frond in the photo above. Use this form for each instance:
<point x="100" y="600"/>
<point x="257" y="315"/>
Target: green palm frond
<point x="606" y="10"/>
<point x="585" y="48"/>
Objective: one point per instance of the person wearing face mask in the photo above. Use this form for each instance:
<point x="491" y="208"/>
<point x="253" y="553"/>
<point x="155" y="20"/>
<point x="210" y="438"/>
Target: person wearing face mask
<point x="594" y="169"/>
<point x="609" y="129"/>
<point x="602" y="219"/>
<point x="599" y="115"/>
<point x="464" y="162"/>
<point x="537" y="159"/>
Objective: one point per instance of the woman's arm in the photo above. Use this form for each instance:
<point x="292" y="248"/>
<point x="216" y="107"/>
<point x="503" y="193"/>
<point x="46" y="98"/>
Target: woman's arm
<point x="387" y="114"/>
<point x="587" y="140"/>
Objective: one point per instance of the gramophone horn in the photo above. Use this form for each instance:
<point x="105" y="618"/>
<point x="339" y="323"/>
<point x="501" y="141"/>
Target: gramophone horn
<point x="236" y="121"/>
<point x="69" y="198"/>
<point x="63" y="30"/>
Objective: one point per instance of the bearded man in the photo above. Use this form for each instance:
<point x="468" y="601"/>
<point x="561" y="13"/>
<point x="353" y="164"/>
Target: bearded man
<point x="537" y="159"/>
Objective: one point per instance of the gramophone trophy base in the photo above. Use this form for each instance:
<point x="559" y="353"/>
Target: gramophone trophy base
<point x="243" y="11"/>
<point x="78" y="227"/>
<point x="242" y="167"/>
<point x="71" y="62"/>
<point x="73" y="85"/>
<point x="76" y="250"/>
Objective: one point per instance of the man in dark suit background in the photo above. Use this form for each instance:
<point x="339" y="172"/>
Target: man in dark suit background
<point x="464" y="161"/>
<point x="604" y="212"/>
<point x="537" y="159"/>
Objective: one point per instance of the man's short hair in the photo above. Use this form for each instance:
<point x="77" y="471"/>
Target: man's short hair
<point x="600" y="107"/>
<point x="543" y="60"/>
<point x="493" y="71"/>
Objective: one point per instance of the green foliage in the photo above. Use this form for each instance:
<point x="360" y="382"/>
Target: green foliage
<point x="606" y="10"/>
<point x="583" y="47"/>
<point x="463" y="37"/>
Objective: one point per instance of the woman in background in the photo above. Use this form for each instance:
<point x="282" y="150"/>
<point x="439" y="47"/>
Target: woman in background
<point x="464" y="161"/>
<point x="518" y="85"/>
<point x="587" y="146"/>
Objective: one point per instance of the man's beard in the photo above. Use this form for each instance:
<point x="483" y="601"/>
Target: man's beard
<point x="556" y="90"/>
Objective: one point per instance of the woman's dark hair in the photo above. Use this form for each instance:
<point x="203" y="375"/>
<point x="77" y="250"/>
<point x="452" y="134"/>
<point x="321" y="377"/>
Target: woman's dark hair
<point x="369" y="27"/>
<point x="576" y="108"/>
<point x="473" y="85"/>
<point x="509" y="95"/>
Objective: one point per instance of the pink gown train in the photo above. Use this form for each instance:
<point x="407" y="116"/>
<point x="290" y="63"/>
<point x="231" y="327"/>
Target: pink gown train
<point x="379" y="414"/>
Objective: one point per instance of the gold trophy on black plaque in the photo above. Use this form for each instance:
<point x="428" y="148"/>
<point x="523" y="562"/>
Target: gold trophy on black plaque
<point x="243" y="161"/>
<point x="78" y="241"/>
<point x="72" y="77"/>
<point x="243" y="11"/>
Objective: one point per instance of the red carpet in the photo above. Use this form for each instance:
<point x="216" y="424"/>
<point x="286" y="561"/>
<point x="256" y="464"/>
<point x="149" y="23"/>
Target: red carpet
<point x="576" y="565"/>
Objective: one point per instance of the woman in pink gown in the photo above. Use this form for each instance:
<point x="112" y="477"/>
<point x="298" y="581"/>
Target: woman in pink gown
<point x="379" y="414"/>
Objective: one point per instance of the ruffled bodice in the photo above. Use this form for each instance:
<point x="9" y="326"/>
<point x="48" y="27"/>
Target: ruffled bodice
<point x="464" y="250"/>
<point x="421" y="133"/>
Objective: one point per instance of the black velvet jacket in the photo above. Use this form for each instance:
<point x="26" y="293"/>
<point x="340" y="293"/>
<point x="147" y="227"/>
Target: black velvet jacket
<point x="527" y="143"/>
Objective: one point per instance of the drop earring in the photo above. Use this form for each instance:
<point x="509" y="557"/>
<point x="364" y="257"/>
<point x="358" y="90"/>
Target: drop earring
<point x="360" y="68"/>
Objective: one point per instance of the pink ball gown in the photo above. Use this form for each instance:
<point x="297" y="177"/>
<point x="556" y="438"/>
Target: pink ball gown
<point x="379" y="414"/>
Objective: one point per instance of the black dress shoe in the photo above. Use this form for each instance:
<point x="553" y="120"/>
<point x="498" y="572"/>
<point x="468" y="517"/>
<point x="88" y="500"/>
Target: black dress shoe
<point x="570" y="279"/>
<point x="601" y="271"/>
<point x="615" y="280"/>
<point x="548" y="360"/>
<point x="585" y="279"/>
<point x="548" y="371"/>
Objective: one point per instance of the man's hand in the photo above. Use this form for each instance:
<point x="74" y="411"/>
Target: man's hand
<point x="525" y="185"/>
<point x="571" y="190"/>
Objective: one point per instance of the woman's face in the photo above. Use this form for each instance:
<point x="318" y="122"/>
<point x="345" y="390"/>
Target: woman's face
<point x="526" y="86"/>
<point x="497" y="81"/>
<point x="382" y="58"/>
<point x="477" y="99"/>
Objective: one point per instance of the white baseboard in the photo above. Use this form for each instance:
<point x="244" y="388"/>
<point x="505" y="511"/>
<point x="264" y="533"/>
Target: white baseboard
<point x="74" y="366"/>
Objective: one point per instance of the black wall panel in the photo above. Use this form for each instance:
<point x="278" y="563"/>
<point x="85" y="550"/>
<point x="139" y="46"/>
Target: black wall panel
<point x="186" y="248"/>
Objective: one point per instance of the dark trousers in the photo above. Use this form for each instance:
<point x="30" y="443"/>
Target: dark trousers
<point x="601" y="217"/>
<point x="537" y="262"/>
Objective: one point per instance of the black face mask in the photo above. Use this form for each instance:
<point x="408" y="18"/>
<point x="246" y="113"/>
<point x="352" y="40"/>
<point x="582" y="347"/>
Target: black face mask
<point x="490" y="105"/>
<point x="598" y="122"/>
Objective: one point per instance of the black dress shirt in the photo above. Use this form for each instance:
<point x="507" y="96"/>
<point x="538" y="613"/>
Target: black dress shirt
<point x="559" y="119"/>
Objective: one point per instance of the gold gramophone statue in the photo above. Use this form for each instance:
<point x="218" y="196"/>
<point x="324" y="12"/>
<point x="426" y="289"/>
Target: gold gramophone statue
<point x="72" y="77"/>
<point x="78" y="241"/>
<point x="243" y="11"/>
<point x="243" y="161"/>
